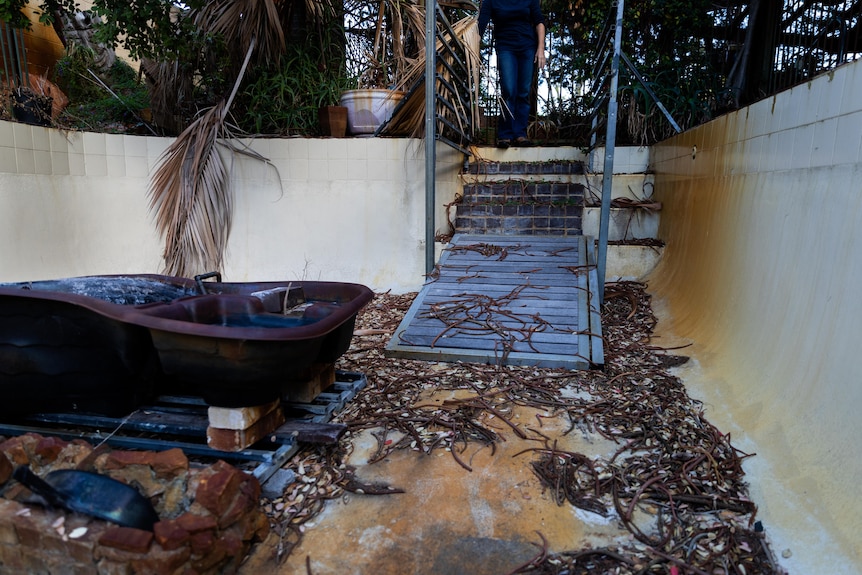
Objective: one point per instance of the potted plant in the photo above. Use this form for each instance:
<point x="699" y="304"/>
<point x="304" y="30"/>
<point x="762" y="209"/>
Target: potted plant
<point x="332" y="121"/>
<point x="382" y="64"/>
<point x="331" y="115"/>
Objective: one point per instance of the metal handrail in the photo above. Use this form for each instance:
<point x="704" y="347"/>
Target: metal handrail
<point x="610" y="143"/>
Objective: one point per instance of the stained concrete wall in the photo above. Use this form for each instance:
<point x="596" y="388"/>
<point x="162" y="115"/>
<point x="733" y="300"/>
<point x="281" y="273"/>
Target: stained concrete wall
<point x="763" y="222"/>
<point x="320" y="209"/>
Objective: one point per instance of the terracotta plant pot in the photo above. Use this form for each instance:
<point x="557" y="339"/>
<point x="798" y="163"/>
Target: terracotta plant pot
<point x="333" y="121"/>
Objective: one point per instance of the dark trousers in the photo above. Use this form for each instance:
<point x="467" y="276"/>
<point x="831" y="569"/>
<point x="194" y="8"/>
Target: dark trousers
<point x="516" y="69"/>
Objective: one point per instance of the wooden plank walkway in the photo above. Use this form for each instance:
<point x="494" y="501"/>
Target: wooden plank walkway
<point x="509" y="300"/>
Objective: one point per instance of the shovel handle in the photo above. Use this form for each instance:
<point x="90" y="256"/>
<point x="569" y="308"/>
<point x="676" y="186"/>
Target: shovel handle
<point x="39" y="486"/>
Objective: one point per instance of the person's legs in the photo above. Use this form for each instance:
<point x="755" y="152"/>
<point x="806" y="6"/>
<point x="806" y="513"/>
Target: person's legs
<point x="507" y="68"/>
<point x="524" y="82"/>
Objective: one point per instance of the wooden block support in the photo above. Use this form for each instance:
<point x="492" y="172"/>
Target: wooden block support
<point x="316" y="379"/>
<point x="239" y="439"/>
<point x="239" y="418"/>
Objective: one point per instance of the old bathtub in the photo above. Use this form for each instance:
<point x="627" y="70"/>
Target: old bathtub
<point x="106" y="343"/>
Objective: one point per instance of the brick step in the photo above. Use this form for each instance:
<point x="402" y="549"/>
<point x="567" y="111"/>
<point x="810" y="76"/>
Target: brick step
<point x="552" y="167"/>
<point x="519" y="191"/>
<point x="534" y="154"/>
<point x="522" y="219"/>
<point x="535" y="199"/>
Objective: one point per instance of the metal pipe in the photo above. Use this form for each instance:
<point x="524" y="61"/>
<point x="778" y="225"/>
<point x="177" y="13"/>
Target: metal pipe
<point x="610" y="142"/>
<point x="430" y="131"/>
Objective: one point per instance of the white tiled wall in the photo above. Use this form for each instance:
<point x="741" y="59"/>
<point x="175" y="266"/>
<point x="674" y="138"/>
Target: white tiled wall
<point x="348" y="209"/>
<point x="812" y="125"/>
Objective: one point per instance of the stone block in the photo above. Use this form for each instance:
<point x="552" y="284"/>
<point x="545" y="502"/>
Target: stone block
<point x="237" y="440"/>
<point x="239" y="418"/>
<point x="160" y="562"/>
<point x="6" y="469"/>
<point x="251" y="527"/>
<point x="16" y="448"/>
<point x="170" y="535"/>
<point x="216" y="492"/>
<point x="205" y="562"/>
<point x="197" y="523"/>
<point x="231" y="543"/>
<point x="108" y="567"/>
<point x="275" y="486"/>
<point x="30" y="527"/>
<point x="123" y="459"/>
<point x="82" y="549"/>
<point x="8" y="510"/>
<point x="11" y="560"/>
<point x="241" y="505"/>
<point x="48" y="448"/>
<point x="202" y="543"/>
<point x="174" y="498"/>
<point x="127" y="539"/>
<point x="170" y="463"/>
<point x="36" y="540"/>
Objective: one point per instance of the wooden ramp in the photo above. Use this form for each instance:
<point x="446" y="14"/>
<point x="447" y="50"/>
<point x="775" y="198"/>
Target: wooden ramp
<point x="508" y="300"/>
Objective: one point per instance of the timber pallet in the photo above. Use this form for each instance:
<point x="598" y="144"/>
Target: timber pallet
<point x="181" y="422"/>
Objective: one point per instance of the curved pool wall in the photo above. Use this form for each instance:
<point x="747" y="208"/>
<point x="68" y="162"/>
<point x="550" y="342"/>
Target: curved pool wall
<point x="762" y="215"/>
<point x="324" y="209"/>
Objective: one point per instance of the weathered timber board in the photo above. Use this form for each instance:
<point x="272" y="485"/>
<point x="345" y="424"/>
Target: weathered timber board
<point x="516" y="300"/>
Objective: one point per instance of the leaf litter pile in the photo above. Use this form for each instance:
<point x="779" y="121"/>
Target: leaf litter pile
<point x="675" y="482"/>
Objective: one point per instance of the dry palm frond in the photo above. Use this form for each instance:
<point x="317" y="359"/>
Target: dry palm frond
<point x="321" y="10"/>
<point x="168" y="85"/>
<point x="191" y="199"/>
<point x="410" y="118"/>
<point x="238" y="22"/>
<point x="190" y="192"/>
<point x="242" y="22"/>
<point x="397" y="28"/>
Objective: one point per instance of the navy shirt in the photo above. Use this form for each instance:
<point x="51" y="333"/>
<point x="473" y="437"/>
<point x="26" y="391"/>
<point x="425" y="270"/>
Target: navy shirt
<point x="514" y="21"/>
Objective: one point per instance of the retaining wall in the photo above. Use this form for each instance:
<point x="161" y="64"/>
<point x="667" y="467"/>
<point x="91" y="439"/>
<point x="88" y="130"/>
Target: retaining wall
<point x="762" y="215"/>
<point x="353" y="209"/>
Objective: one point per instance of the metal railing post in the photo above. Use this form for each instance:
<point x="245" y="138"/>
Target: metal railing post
<point x="430" y="130"/>
<point x="610" y="141"/>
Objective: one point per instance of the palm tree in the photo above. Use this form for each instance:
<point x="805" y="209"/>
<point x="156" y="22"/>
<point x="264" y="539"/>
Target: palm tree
<point x="190" y="190"/>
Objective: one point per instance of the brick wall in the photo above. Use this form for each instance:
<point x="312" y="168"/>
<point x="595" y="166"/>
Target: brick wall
<point x="210" y="515"/>
<point x="518" y="207"/>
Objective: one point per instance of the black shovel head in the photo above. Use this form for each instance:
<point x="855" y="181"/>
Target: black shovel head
<point x="92" y="494"/>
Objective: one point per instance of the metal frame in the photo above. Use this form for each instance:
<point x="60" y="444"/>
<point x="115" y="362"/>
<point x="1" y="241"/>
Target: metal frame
<point x="605" y="97"/>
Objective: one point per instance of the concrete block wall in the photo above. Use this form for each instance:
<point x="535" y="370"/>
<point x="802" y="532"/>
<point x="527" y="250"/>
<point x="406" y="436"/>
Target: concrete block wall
<point x="75" y="203"/>
<point x="762" y="215"/>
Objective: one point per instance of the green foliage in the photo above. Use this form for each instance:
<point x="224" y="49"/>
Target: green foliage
<point x="146" y="28"/>
<point x="12" y="12"/>
<point x="284" y="98"/>
<point x="669" y="41"/>
<point x="149" y="28"/>
<point x="72" y="76"/>
<point x="91" y="105"/>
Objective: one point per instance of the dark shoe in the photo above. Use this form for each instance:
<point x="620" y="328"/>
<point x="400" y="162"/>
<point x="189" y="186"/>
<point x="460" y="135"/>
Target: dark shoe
<point x="523" y="142"/>
<point x="503" y="144"/>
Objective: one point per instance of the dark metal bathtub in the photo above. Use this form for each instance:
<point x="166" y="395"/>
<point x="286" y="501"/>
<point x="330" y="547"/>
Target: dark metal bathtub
<point x="106" y="343"/>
